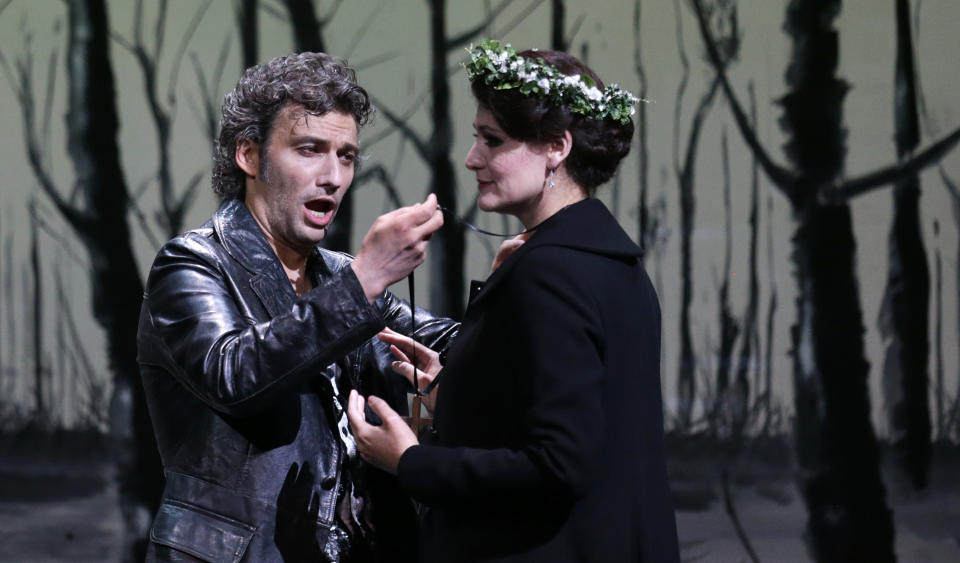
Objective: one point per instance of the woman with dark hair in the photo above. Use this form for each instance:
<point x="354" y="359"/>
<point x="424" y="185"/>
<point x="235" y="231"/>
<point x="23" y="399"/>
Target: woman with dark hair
<point x="548" y="419"/>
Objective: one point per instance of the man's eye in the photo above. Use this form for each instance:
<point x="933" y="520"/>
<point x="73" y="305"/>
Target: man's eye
<point x="349" y="157"/>
<point x="306" y="150"/>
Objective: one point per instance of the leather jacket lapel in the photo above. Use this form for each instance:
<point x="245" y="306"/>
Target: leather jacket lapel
<point x="245" y="242"/>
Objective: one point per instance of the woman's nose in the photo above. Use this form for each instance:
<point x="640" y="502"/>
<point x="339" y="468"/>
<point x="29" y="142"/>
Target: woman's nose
<point x="473" y="160"/>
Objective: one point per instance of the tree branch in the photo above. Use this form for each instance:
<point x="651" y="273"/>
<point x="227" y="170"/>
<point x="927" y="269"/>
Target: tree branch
<point x="331" y="12"/>
<point x="453" y="69"/>
<point x="465" y="37"/>
<point x="848" y="189"/>
<point x="732" y="512"/>
<point x="361" y="31"/>
<point x="783" y="178"/>
<point x="401" y="123"/>
<point x="178" y="57"/>
<point x="379" y="173"/>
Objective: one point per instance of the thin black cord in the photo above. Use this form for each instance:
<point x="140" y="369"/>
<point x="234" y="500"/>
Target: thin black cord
<point x="413" y="331"/>
<point x="477" y="229"/>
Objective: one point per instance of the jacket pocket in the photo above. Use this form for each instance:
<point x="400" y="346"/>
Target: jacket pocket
<point x="199" y="532"/>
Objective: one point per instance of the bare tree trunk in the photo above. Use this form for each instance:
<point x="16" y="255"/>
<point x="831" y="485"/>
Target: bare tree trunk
<point x="749" y="324"/>
<point x="558" y="13"/>
<point x="643" y="152"/>
<point x="308" y="36"/>
<point x="939" y="390"/>
<point x="306" y="26"/>
<point x="40" y="391"/>
<point x="904" y="312"/>
<point x="116" y="286"/>
<point x="954" y="192"/>
<point x="248" y="21"/>
<point x="726" y="398"/>
<point x="836" y="446"/>
<point x="446" y="266"/>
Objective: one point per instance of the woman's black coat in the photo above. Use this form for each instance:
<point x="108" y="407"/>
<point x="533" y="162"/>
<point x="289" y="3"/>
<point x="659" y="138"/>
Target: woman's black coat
<point x="549" y="413"/>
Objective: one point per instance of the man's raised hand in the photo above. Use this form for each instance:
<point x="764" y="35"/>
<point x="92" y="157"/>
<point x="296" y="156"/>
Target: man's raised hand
<point x="395" y="245"/>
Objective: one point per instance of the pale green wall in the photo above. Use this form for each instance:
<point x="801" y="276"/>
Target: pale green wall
<point x="399" y="29"/>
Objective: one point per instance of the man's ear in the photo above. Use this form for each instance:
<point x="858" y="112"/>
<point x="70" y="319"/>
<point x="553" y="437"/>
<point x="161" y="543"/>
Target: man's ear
<point x="559" y="150"/>
<point x="247" y="157"/>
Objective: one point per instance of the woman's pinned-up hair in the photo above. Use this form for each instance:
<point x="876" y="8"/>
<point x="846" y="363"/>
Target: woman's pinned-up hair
<point x="598" y="144"/>
<point x="318" y="82"/>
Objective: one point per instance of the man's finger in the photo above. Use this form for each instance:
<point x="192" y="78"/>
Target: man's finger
<point x="427" y="210"/>
<point x="428" y="226"/>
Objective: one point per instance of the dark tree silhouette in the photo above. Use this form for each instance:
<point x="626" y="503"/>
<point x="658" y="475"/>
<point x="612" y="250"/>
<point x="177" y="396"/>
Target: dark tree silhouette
<point x="643" y="152"/>
<point x="41" y="394"/>
<point x="749" y="342"/>
<point x="836" y="446"/>
<point x="558" y="16"/>
<point x="248" y="23"/>
<point x="728" y="402"/>
<point x="308" y="31"/>
<point x="97" y="212"/>
<point x="685" y="172"/>
<point x="448" y="244"/>
<point x="953" y="413"/>
<point x="939" y="389"/>
<point x="173" y="208"/>
<point x="904" y="312"/>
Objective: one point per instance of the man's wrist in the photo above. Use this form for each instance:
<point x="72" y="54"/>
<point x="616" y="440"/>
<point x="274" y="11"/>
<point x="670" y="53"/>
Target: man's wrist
<point x="372" y="287"/>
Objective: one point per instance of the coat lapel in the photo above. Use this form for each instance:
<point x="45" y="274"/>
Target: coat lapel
<point x="246" y="244"/>
<point x="586" y="225"/>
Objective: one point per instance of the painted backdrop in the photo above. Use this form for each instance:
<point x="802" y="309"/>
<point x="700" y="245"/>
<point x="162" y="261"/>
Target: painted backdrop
<point x="794" y="182"/>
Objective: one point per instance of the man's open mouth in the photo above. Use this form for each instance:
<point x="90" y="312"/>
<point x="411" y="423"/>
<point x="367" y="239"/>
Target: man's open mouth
<point x="320" y="211"/>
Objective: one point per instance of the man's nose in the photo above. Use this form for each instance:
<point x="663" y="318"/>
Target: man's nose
<point x="331" y="175"/>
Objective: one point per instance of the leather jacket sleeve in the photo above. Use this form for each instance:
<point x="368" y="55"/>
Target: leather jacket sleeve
<point x="204" y="326"/>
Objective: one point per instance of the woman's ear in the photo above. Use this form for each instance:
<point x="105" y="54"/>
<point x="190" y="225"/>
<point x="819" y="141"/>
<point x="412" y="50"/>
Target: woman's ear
<point x="247" y="156"/>
<point x="559" y="150"/>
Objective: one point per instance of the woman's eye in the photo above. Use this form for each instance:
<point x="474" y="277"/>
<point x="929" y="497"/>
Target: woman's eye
<point x="492" y="141"/>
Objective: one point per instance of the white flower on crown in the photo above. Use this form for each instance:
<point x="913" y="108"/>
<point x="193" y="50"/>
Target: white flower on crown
<point x="544" y="83"/>
<point x="573" y="80"/>
<point x="594" y="94"/>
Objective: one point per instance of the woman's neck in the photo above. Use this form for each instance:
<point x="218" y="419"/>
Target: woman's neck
<point x="563" y="193"/>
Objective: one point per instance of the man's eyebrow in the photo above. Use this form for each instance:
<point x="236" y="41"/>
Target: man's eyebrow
<point x="297" y="139"/>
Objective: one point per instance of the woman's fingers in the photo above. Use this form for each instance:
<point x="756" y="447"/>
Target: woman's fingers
<point x="398" y="353"/>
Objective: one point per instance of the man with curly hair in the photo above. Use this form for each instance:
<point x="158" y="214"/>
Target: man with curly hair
<point x="251" y="337"/>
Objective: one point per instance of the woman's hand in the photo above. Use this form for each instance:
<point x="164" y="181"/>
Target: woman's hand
<point x="428" y="361"/>
<point x="507" y="248"/>
<point x="381" y="445"/>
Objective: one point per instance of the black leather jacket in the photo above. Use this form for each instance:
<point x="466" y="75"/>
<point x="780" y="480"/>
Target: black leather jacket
<point x="237" y="373"/>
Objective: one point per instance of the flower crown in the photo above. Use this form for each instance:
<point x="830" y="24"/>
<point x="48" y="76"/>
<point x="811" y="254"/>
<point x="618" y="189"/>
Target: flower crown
<point x="503" y="69"/>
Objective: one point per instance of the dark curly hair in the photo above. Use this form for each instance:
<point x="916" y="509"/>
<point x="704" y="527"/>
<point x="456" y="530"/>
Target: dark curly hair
<point x="316" y="81"/>
<point x="598" y="145"/>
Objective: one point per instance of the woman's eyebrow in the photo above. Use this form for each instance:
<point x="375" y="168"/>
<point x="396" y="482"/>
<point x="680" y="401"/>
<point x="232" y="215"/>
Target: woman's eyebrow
<point x="487" y="129"/>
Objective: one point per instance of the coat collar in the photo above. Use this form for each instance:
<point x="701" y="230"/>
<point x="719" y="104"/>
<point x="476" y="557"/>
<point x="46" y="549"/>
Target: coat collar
<point x="587" y="226"/>
<point x="245" y="242"/>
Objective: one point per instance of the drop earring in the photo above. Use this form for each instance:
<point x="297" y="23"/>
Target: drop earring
<point x="550" y="182"/>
